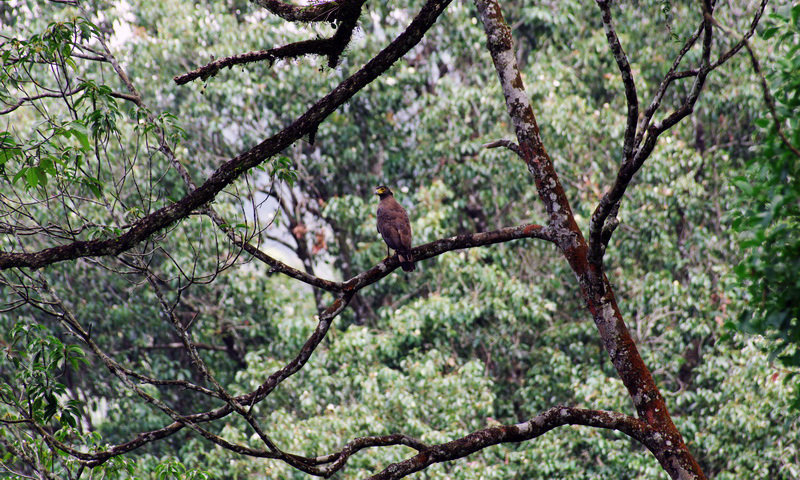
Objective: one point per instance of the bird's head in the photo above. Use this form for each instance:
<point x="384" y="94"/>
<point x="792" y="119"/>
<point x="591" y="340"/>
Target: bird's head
<point x="383" y="191"/>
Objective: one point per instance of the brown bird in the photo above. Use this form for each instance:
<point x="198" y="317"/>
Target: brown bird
<point x="394" y="227"/>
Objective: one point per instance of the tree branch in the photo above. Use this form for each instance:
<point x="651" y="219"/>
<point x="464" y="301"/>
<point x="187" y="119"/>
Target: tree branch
<point x="347" y="12"/>
<point x="768" y="99"/>
<point x="535" y="427"/>
<point x="507" y="144"/>
<point x="319" y="12"/>
<point x="438" y="247"/>
<point x="627" y="78"/>
<point x="232" y="169"/>
<point x="22" y="100"/>
<point x="348" y="289"/>
<point x="596" y="289"/>
<point x="604" y="220"/>
<point x="325" y="319"/>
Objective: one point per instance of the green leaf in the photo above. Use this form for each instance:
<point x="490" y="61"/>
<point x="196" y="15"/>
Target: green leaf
<point x="769" y="33"/>
<point x="7" y="154"/>
<point x="32" y="177"/>
<point x="762" y="122"/>
<point x="81" y="133"/>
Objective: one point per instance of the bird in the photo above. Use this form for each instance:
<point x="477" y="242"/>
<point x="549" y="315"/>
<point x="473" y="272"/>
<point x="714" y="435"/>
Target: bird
<point x="394" y="227"/>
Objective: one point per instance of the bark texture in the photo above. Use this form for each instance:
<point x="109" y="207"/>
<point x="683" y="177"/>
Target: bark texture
<point x="597" y="292"/>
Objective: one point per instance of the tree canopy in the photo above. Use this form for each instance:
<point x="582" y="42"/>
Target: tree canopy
<point x="605" y="213"/>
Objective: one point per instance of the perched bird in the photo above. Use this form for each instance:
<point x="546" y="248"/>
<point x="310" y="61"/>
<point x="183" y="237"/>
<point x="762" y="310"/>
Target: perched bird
<point x="394" y="227"/>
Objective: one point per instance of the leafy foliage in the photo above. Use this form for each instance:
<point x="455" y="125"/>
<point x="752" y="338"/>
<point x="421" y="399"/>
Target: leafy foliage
<point x="768" y="218"/>
<point x="476" y="337"/>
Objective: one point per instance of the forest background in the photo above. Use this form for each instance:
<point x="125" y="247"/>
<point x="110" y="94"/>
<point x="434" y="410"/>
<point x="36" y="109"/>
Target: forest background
<point x="703" y="262"/>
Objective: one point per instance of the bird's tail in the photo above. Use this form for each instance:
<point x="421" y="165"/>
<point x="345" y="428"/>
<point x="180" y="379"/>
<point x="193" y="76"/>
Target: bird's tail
<point x="406" y="261"/>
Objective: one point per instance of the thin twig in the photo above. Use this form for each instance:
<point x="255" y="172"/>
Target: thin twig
<point x="507" y="144"/>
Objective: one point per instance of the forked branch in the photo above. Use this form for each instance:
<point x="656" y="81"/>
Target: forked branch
<point x="596" y="290"/>
<point x="604" y="219"/>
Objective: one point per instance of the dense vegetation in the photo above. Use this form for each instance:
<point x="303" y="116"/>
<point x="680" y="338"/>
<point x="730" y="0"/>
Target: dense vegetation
<point x="706" y="253"/>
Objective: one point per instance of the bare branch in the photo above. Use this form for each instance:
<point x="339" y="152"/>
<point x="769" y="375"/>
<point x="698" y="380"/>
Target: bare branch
<point x="535" y="427"/>
<point x="23" y="100"/>
<point x="340" y="458"/>
<point x="596" y="289"/>
<point x="604" y="220"/>
<point x="325" y="319"/>
<point x="669" y="77"/>
<point x="507" y="144"/>
<point x="178" y="346"/>
<point x="627" y="78"/>
<point x="744" y="38"/>
<point x="275" y="265"/>
<point x="500" y="44"/>
<point x="292" y="50"/>
<point x="768" y="99"/>
<point x="232" y="169"/>
<point x="69" y="320"/>
<point x="347" y="12"/>
<point x="438" y="247"/>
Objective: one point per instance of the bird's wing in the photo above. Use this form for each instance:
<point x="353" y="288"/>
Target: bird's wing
<point x="404" y="231"/>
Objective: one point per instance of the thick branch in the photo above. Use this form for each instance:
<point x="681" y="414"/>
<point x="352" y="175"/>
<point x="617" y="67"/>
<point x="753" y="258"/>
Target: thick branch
<point x="348" y="12"/>
<point x="319" y="12"/>
<point x="500" y="44"/>
<point x="235" y="167"/>
<point x="535" y="427"/>
<point x="338" y="459"/>
<point x="596" y="290"/>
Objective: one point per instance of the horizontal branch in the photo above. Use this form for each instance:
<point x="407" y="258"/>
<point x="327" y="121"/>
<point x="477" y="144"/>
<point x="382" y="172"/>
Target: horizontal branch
<point x="438" y="247"/>
<point x="335" y="461"/>
<point x="176" y="346"/>
<point x="22" y="100"/>
<point x="507" y="144"/>
<point x="292" y="50"/>
<point x="535" y="427"/>
<point x="232" y="169"/>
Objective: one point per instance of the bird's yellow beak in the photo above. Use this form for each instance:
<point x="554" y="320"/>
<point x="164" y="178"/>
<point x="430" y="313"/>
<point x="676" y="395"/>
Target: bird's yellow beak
<point x="380" y="191"/>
